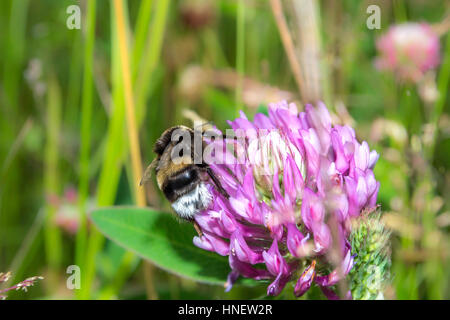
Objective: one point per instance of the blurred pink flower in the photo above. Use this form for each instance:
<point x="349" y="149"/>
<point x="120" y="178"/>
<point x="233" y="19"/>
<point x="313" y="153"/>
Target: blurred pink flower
<point x="408" y="50"/>
<point x="67" y="215"/>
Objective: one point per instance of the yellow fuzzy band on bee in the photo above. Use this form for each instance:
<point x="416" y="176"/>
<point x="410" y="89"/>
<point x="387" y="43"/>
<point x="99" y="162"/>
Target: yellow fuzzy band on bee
<point x="171" y="168"/>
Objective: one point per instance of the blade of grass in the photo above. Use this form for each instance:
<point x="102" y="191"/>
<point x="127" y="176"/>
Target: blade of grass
<point x="30" y="248"/>
<point x="309" y="47"/>
<point x="152" y="54"/>
<point x="121" y="276"/>
<point x="132" y="130"/>
<point x="433" y="266"/>
<point x="52" y="234"/>
<point x="400" y="11"/>
<point x="141" y="31"/>
<point x="443" y="82"/>
<point x="153" y="50"/>
<point x="17" y="265"/>
<point x="15" y="52"/>
<point x="115" y="142"/>
<point x="74" y="86"/>
<point x="111" y="165"/>
<point x="240" y="54"/>
<point x="13" y="41"/>
<point x="288" y="44"/>
<point x="129" y="105"/>
<point x="16" y="146"/>
<point x="86" y="119"/>
<point x="212" y="45"/>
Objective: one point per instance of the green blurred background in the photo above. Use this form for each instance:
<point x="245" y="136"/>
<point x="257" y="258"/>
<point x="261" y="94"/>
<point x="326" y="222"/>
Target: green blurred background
<point x="64" y="145"/>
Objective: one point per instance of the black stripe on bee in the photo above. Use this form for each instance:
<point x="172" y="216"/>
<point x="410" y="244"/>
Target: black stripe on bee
<point x="180" y="183"/>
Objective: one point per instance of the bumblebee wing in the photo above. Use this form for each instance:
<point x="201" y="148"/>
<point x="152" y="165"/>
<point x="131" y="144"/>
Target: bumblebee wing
<point x="148" y="172"/>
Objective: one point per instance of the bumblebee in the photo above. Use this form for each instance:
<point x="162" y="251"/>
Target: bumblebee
<point x="181" y="178"/>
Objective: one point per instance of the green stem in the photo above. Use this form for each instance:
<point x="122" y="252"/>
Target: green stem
<point x="30" y="245"/>
<point x="141" y="31"/>
<point x="74" y="85"/>
<point x="400" y="11"/>
<point x="152" y="54"/>
<point x="146" y="69"/>
<point x="16" y="51"/>
<point x="433" y="266"/>
<point x="120" y="276"/>
<point x="116" y="144"/>
<point x="443" y="82"/>
<point x="51" y="179"/>
<point x="240" y="53"/>
<point x="86" y="127"/>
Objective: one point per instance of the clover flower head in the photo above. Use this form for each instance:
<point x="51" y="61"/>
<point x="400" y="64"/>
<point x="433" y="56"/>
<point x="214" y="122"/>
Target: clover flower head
<point x="408" y="50"/>
<point x="294" y="183"/>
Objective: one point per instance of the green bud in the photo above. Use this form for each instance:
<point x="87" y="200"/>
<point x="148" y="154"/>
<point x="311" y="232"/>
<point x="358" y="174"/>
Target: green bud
<point x="371" y="270"/>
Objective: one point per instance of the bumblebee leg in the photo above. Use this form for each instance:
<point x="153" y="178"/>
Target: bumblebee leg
<point x="217" y="183"/>
<point x="197" y="228"/>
